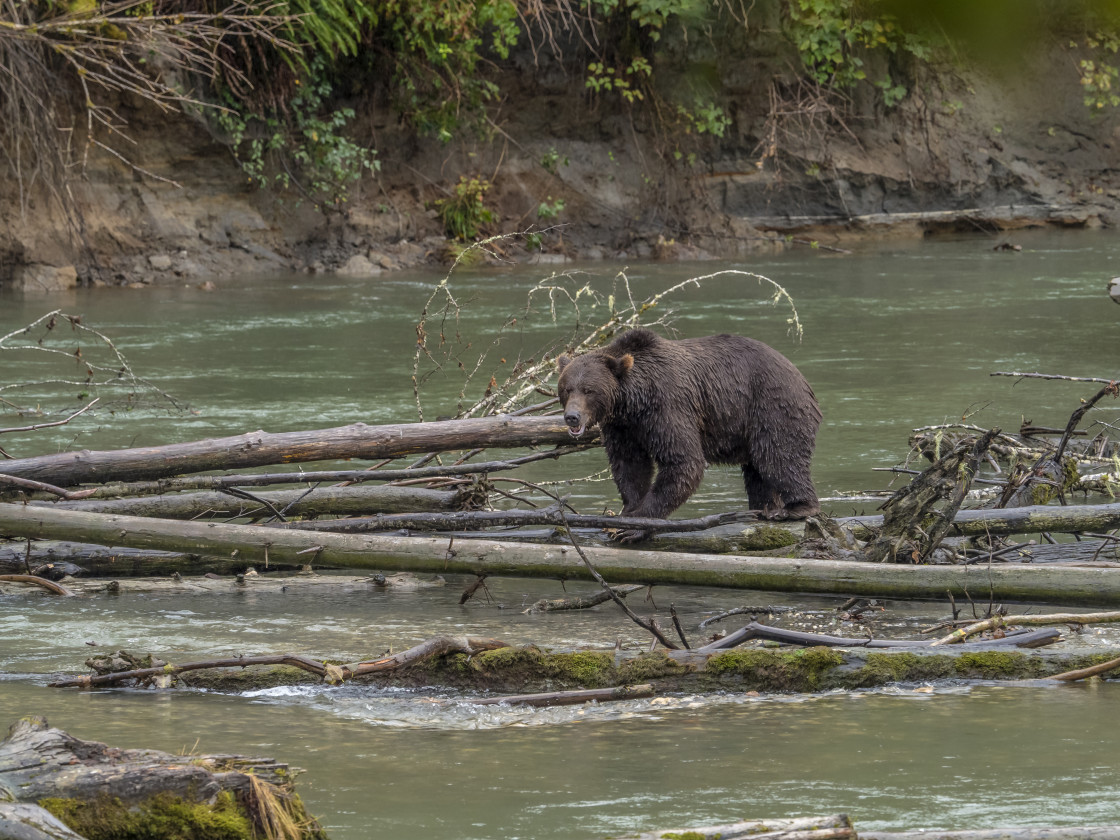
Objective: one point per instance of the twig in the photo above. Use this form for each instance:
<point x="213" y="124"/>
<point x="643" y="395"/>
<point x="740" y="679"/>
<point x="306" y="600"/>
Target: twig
<point x="677" y="626"/>
<point x="43" y="487"/>
<point x="758" y="610"/>
<point x="1051" y="376"/>
<point x="38" y="426"/>
<point x="649" y="626"/>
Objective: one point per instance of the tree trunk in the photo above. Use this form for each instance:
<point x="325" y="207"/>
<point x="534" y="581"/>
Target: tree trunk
<point x="1067" y="585"/>
<point x="39" y="763"/>
<point x="260" y="448"/>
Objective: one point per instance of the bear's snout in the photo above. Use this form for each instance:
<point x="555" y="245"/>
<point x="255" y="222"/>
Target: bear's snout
<point x="575" y="422"/>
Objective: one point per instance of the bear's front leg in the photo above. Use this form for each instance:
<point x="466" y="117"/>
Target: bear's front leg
<point x="676" y="481"/>
<point x="631" y="467"/>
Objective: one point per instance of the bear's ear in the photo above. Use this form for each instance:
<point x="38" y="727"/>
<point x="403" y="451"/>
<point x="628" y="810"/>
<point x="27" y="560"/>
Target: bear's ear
<point x="619" y="366"/>
<point x="563" y="362"/>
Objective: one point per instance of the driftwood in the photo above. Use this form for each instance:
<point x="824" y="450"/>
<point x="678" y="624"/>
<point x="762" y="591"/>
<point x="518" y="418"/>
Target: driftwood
<point x="33" y="580"/>
<point x="25" y="821"/>
<point x="754" y="630"/>
<point x="1005" y="582"/>
<point x="906" y="536"/>
<point x="260" y="448"/>
<point x="578" y="602"/>
<point x="1003" y="522"/>
<point x="1000" y="621"/>
<point x="320" y="501"/>
<point x="40" y="764"/>
<point x="98" y="560"/>
<point x="333" y="674"/>
<point x="116" y="489"/>
<point x="836" y="827"/>
<point x="512" y="518"/>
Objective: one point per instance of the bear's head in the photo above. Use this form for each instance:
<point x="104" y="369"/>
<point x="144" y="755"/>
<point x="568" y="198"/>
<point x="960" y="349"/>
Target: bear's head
<point x="588" y="387"/>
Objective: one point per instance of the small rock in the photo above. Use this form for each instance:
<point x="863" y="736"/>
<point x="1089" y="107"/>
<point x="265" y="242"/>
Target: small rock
<point x="160" y="262"/>
<point x="358" y="266"/>
<point x="1114" y="289"/>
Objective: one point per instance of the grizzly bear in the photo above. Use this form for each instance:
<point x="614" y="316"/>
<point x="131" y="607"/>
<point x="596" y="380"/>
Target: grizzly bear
<point x="680" y="405"/>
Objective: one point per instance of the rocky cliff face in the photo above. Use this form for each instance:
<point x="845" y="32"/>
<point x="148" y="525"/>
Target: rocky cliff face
<point x="983" y="150"/>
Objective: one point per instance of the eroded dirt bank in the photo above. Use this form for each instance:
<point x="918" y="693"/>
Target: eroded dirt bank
<point x="976" y="150"/>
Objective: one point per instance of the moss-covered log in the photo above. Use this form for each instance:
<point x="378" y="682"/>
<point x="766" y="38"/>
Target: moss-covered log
<point x="103" y="793"/>
<point x="511" y="670"/>
<point x="1047" y="584"/>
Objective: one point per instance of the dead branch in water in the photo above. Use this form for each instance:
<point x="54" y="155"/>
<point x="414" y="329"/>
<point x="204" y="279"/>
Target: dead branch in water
<point x="650" y="626"/>
<point x="579" y="602"/>
<point x="754" y="630"/>
<point x="34" y="580"/>
<point x="1001" y="621"/>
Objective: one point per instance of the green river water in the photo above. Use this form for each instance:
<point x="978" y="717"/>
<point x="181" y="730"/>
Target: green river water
<point x="893" y="339"/>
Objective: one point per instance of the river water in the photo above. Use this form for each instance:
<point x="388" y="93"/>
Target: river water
<point x="894" y="338"/>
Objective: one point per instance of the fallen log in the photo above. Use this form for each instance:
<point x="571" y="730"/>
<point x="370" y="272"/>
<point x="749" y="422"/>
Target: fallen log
<point x="86" y="781"/>
<point x="260" y="448"/>
<point x="754" y="630"/>
<point x="99" y="560"/>
<point x="117" y="489"/>
<point x="24" y="821"/>
<point x="1024" y="520"/>
<point x="320" y="501"/>
<point x="1079" y="586"/>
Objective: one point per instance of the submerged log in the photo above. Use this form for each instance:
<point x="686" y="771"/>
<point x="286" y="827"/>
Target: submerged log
<point x="260" y="448"/>
<point x="836" y="827"/>
<point x="1058" y="585"/>
<point x="73" y="779"/>
<point x="98" y="560"/>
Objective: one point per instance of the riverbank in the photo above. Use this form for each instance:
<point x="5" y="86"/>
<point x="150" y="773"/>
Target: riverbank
<point x="572" y="176"/>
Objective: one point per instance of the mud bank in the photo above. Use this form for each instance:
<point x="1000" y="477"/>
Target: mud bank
<point x="967" y="150"/>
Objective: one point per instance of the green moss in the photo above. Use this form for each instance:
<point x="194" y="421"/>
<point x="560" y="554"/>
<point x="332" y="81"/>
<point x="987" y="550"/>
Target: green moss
<point x="902" y="666"/>
<point x="591" y="669"/>
<point x="248" y="679"/>
<point x="650" y="666"/>
<point x="796" y="670"/>
<point x="998" y="664"/>
<point x="769" y="537"/>
<point x="685" y="835"/>
<point x="162" y="816"/>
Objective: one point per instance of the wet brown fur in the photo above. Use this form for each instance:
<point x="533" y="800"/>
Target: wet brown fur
<point x="679" y="405"/>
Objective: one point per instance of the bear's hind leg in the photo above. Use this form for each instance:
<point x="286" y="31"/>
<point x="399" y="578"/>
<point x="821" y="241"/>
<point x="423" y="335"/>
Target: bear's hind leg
<point x="761" y="496"/>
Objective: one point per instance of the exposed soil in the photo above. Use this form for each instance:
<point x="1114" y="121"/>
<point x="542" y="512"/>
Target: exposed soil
<point x="979" y="150"/>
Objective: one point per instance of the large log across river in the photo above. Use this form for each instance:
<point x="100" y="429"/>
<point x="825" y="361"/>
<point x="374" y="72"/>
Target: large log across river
<point x="255" y="449"/>
<point x="1077" y="586"/>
